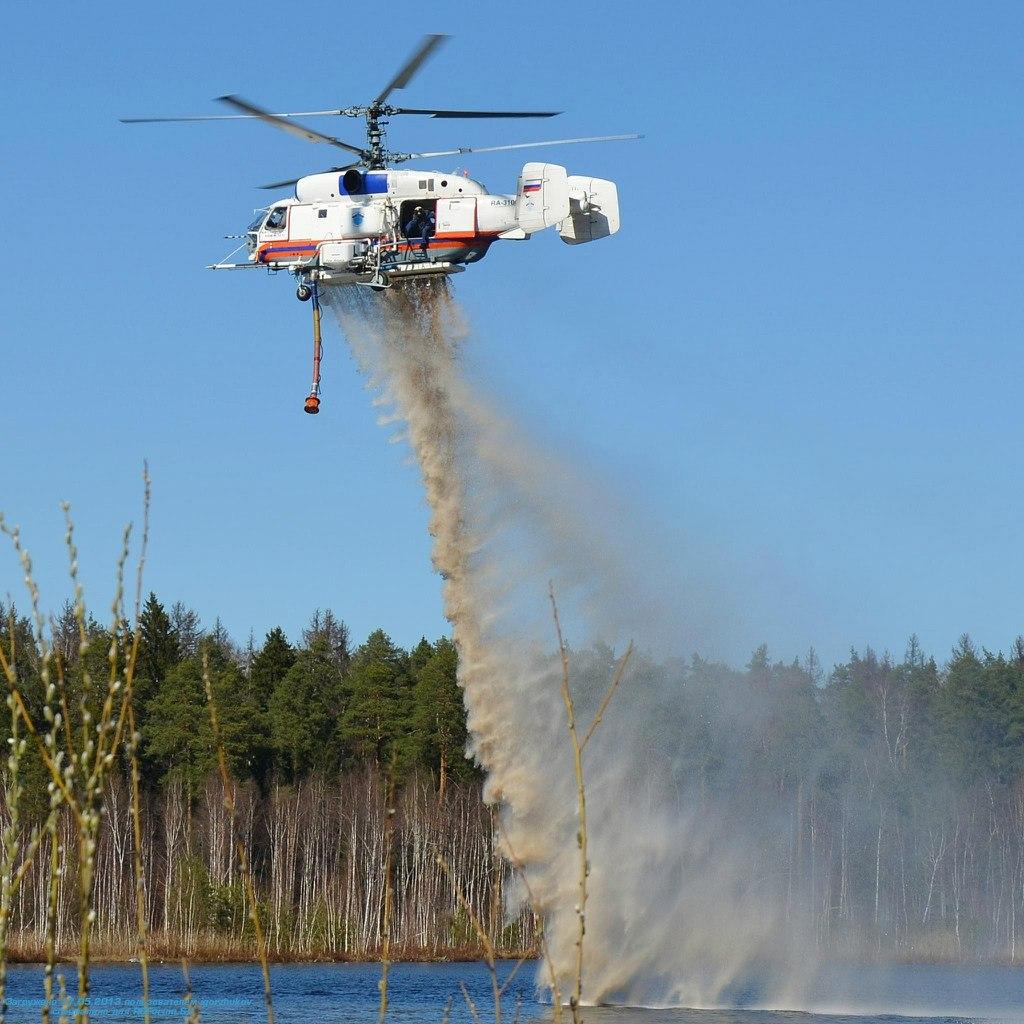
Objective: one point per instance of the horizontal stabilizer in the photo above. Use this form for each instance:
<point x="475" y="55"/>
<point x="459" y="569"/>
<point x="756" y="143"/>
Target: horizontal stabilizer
<point x="593" y="210"/>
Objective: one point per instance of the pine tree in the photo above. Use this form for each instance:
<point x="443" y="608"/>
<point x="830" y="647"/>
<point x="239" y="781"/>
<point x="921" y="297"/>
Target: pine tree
<point x="439" y="719"/>
<point x="377" y="722"/>
<point x="21" y="640"/>
<point x="187" y="630"/>
<point x="303" y="708"/>
<point x="65" y="635"/>
<point x="326" y="626"/>
<point x="419" y="656"/>
<point x="176" y="732"/>
<point x="158" y="649"/>
<point x="270" y="665"/>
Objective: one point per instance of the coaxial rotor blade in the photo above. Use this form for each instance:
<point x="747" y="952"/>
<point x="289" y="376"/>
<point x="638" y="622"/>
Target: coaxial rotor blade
<point x="402" y="157"/>
<point x="291" y="127"/>
<point x="292" y="181"/>
<point x="429" y="112"/>
<point x="225" y="117"/>
<point x="411" y="66"/>
<point x="279" y="184"/>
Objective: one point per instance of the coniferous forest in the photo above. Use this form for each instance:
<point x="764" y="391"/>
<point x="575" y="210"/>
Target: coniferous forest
<point x="898" y="787"/>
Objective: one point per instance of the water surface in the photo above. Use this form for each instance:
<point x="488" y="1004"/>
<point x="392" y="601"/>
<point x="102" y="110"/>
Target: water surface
<point x="344" y="993"/>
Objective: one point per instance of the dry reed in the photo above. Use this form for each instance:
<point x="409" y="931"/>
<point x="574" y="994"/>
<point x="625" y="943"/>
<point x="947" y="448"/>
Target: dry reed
<point x="242" y="850"/>
<point x="578" y="747"/>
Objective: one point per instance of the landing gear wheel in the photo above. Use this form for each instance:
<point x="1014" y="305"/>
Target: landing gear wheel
<point x="379" y="282"/>
<point x="303" y="293"/>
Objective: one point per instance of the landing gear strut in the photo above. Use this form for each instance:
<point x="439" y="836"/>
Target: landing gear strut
<point x="312" y="405"/>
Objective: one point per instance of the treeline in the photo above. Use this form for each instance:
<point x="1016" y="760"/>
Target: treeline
<point x="885" y="798"/>
<point x="315" y="734"/>
<point x="287" y="711"/>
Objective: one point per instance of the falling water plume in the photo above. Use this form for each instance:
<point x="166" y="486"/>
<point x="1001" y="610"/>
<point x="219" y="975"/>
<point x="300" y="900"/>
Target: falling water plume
<point x="679" y="911"/>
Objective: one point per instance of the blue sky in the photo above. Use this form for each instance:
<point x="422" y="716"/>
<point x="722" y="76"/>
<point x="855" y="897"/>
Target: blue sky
<point x="800" y="359"/>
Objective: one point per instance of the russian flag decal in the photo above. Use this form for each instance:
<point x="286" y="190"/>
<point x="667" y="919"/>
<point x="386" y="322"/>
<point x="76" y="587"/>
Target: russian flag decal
<point x="533" y="185"/>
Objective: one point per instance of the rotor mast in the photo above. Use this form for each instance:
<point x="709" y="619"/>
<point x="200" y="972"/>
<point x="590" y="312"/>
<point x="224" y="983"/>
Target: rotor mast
<point x="376" y="154"/>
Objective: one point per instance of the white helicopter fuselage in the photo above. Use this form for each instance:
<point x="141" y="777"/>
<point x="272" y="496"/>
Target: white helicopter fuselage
<point x="387" y="225"/>
<point x="378" y="226"/>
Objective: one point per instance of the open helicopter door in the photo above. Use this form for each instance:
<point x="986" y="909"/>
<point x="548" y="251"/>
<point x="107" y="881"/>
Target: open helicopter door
<point x="542" y="198"/>
<point x="593" y="210"/>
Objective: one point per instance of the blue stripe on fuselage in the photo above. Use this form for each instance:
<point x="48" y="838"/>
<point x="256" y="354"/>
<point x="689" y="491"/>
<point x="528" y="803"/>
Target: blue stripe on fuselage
<point x="371" y="183"/>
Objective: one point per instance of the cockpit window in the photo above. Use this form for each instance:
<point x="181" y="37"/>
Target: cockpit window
<point x="277" y="218"/>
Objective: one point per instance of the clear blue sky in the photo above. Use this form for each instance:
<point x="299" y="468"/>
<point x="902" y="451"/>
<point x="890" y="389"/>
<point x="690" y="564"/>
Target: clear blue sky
<point x="801" y="356"/>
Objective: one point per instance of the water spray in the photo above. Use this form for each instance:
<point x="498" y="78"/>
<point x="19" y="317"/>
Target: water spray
<point x="680" y="910"/>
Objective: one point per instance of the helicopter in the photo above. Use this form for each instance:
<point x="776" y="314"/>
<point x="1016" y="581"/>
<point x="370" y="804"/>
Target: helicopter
<point x="366" y="223"/>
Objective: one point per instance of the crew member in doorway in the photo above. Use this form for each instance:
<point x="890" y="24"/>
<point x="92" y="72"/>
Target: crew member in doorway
<point x="421" y="226"/>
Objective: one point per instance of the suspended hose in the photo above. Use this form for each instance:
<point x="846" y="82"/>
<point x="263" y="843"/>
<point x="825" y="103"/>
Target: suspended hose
<point x="312" y="404"/>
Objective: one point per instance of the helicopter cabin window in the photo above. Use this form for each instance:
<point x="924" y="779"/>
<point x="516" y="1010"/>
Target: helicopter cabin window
<point x="322" y="214"/>
<point x="418" y="218"/>
<point x="277" y="219"/>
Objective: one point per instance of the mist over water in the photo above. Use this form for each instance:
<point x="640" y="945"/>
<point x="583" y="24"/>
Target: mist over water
<point x="686" y="906"/>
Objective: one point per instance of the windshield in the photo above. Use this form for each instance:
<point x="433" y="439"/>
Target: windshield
<point x="256" y="224"/>
<point x="278" y="217"/>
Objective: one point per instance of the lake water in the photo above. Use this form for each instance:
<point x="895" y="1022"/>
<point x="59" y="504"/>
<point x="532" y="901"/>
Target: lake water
<point x="348" y="992"/>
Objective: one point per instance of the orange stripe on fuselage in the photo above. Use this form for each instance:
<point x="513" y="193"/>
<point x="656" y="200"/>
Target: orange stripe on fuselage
<point x="286" y="249"/>
<point x="448" y="240"/>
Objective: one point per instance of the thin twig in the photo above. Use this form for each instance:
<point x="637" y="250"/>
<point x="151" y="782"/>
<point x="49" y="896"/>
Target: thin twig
<point x="517" y="864"/>
<point x="243" y="854"/>
<point x="140" y="879"/>
<point x="446" y="1015"/>
<point x="194" y="1016"/>
<point x="11" y="880"/>
<point x="490" y="955"/>
<point x="133" y="756"/>
<point x="77" y="759"/>
<point x="581" y="794"/>
<point x="619" y="672"/>
<point x="581" y="811"/>
<point x="469" y="1002"/>
<point x="510" y="977"/>
<point x="389" y="839"/>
